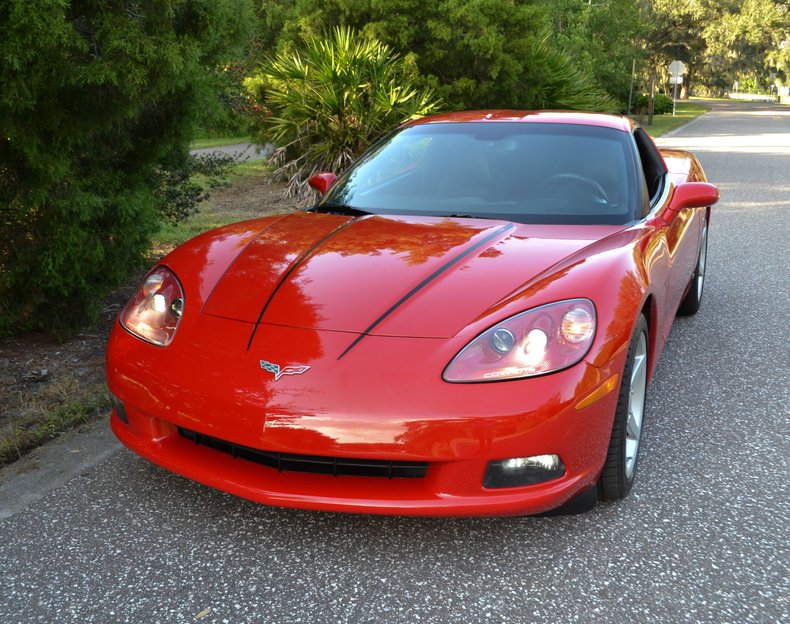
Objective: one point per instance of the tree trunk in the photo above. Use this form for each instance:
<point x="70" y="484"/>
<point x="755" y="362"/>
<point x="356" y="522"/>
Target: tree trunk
<point x="651" y="98"/>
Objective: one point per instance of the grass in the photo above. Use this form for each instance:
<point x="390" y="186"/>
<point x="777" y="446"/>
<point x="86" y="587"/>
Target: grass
<point x="684" y="113"/>
<point x="252" y="167"/>
<point x="218" y="141"/>
<point x="59" y="408"/>
<point x="171" y="235"/>
<point x="697" y="98"/>
<point x="208" y="217"/>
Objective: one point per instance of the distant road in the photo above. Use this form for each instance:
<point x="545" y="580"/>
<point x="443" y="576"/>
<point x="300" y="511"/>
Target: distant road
<point x="240" y="151"/>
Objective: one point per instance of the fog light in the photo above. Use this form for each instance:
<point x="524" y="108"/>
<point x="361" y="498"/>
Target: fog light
<point x="518" y="471"/>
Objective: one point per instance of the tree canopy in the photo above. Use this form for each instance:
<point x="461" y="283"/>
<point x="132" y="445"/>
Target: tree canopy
<point x="472" y="53"/>
<point x="97" y="99"/>
<point x="722" y="41"/>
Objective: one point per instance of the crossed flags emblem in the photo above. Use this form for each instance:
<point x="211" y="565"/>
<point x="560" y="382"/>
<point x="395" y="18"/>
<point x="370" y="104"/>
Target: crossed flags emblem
<point x="278" y="371"/>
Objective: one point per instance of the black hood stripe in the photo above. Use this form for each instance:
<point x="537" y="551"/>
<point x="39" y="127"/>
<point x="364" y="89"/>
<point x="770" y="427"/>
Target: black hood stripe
<point x="428" y="280"/>
<point x="238" y="255"/>
<point x="294" y="265"/>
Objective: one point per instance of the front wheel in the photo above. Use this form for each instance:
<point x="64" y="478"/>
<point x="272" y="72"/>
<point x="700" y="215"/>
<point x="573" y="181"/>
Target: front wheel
<point x="620" y="466"/>
<point x="691" y="301"/>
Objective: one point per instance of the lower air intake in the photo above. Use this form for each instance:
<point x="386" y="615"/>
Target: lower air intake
<point x="335" y="466"/>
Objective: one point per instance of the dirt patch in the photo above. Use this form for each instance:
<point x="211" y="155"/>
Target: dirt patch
<point x="47" y="387"/>
<point x="251" y="196"/>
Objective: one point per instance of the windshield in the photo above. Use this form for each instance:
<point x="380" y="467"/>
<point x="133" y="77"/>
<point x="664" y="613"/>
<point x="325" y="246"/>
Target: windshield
<point x="524" y="172"/>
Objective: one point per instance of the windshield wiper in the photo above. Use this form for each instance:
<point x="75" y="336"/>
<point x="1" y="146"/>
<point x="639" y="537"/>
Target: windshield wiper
<point x="339" y="209"/>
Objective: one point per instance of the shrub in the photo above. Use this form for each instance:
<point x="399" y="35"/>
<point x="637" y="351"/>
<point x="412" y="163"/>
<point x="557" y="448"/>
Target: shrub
<point x="98" y="101"/>
<point x="662" y="104"/>
<point x="178" y="190"/>
<point x="472" y="53"/>
<point x="330" y="100"/>
<point x="553" y="81"/>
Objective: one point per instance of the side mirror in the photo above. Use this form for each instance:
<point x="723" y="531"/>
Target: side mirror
<point x="322" y="182"/>
<point x="693" y="195"/>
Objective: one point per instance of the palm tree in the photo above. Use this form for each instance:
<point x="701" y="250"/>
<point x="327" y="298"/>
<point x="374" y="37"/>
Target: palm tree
<point x="330" y="101"/>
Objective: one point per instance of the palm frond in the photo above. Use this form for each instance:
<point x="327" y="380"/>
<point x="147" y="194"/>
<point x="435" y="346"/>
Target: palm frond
<point x="330" y="101"/>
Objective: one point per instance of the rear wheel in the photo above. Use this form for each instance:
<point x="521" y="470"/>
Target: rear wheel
<point x="691" y="301"/>
<point x="620" y="466"/>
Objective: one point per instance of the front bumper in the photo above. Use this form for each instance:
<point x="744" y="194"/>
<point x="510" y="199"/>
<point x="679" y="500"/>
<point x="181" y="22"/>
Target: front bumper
<point x="361" y="410"/>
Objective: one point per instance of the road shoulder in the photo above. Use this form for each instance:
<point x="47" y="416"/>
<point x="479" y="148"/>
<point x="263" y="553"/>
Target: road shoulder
<point x="49" y="467"/>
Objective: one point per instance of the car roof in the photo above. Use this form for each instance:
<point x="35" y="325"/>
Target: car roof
<point x="517" y="116"/>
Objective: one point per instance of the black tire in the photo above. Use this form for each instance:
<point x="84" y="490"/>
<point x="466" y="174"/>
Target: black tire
<point x="619" y="468"/>
<point x="691" y="301"/>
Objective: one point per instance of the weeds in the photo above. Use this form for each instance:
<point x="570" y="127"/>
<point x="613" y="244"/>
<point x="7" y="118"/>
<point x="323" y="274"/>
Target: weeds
<point x="56" y="409"/>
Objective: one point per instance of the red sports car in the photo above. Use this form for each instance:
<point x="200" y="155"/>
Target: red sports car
<point x="465" y="324"/>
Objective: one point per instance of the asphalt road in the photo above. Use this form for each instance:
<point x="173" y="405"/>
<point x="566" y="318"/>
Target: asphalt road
<point x="239" y="151"/>
<point x="704" y="537"/>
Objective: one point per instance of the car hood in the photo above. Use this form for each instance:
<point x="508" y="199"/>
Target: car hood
<point x="387" y="275"/>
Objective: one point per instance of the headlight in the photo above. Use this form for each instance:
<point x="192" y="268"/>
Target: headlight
<point x="153" y="313"/>
<point x="539" y="341"/>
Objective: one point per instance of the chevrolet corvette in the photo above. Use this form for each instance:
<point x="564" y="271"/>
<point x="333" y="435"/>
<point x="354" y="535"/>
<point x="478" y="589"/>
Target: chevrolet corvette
<point x="465" y="323"/>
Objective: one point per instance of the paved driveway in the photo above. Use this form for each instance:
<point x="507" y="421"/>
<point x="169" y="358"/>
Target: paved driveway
<point x="703" y="537"/>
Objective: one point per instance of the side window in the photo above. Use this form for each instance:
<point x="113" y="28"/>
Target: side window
<point x="653" y="166"/>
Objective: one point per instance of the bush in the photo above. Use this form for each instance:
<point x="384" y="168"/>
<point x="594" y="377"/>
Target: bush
<point x="179" y="192"/>
<point x="603" y="38"/>
<point x="99" y="100"/>
<point x="229" y="112"/>
<point x="473" y="54"/>
<point x="662" y="104"/>
<point x="330" y="100"/>
<point x="555" y="82"/>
